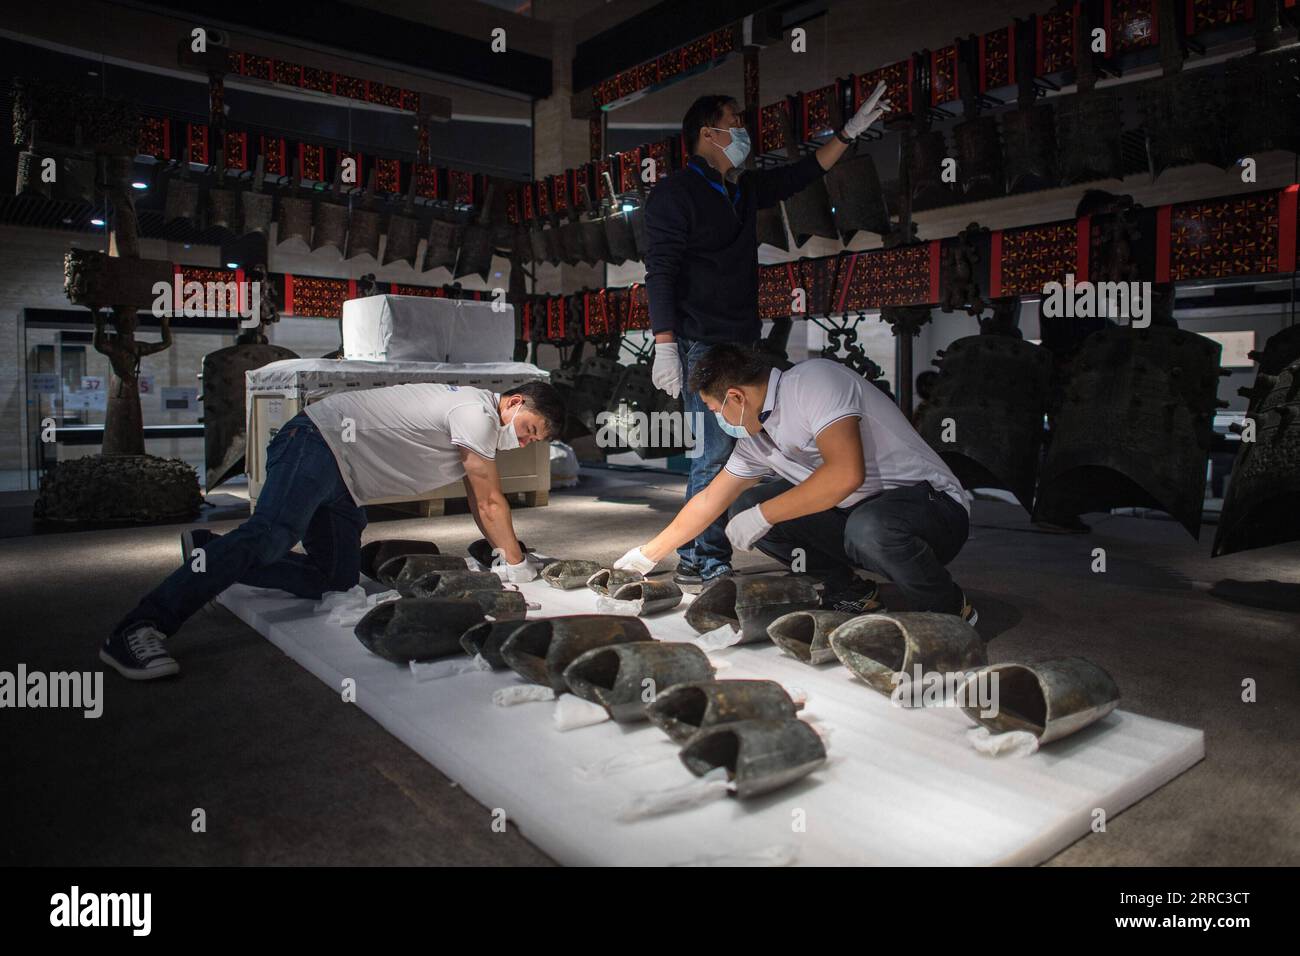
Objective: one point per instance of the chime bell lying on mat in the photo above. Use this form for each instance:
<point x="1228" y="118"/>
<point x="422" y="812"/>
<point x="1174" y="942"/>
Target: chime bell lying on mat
<point x="750" y="604"/>
<point x="1049" y="699"/>
<point x="501" y="605"/>
<point x="485" y="640"/>
<point x="417" y="629"/>
<point x="438" y="583"/>
<point x="567" y="575"/>
<point x="400" y="571"/>
<point x="760" y="755"/>
<point x="806" y="634"/>
<point x="623" y="678"/>
<point x="648" y="597"/>
<point x="376" y="553"/>
<point x="876" y="647"/>
<point x="540" y="650"/>
<point x="684" y="709"/>
<point x="607" y="580"/>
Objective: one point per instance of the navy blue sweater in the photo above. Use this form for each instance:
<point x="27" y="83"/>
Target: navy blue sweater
<point x="702" y="263"/>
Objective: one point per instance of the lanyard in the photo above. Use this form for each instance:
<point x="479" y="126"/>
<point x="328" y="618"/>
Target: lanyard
<point x="716" y="185"/>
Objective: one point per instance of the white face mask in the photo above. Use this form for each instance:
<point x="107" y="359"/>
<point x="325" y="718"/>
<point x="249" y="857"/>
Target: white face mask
<point x="738" y="148"/>
<point x="508" y="438"/>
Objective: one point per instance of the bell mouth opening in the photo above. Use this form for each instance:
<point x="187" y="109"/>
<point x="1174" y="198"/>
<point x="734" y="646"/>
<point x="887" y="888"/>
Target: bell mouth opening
<point x="600" y="579"/>
<point x="533" y="638"/>
<point x="795" y="634"/>
<point x="718" y="749"/>
<point x="599" y="670"/>
<point x="880" y="640"/>
<point x="631" y="592"/>
<point x="476" y="636"/>
<point x="684" y="706"/>
<point x="391" y="568"/>
<point x="1021" y="702"/>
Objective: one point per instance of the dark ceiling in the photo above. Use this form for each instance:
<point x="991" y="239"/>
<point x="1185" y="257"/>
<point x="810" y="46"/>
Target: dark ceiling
<point x="372" y="35"/>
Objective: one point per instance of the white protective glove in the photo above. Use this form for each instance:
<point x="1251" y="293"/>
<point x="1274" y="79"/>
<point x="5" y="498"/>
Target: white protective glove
<point x="634" y="560"/>
<point x="519" y="573"/>
<point x="868" y="113"/>
<point x="667" y="371"/>
<point x="746" y="528"/>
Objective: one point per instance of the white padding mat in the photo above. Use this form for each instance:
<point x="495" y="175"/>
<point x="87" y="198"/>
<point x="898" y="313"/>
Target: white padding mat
<point x="902" y="786"/>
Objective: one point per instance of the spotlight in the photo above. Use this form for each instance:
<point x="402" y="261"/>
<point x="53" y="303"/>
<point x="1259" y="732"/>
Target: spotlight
<point x="628" y="207"/>
<point x="96" y="221"/>
<point x="232" y="265"/>
<point x="139" y="185"/>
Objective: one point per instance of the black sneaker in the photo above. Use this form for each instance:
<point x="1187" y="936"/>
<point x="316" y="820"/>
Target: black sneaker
<point x="687" y="576"/>
<point x="860" y="597"/>
<point x="137" y="653"/>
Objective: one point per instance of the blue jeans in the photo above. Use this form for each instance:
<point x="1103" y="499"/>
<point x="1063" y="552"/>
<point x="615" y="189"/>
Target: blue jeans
<point x="710" y="554"/>
<point x="907" y="534"/>
<point x="304" y="499"/>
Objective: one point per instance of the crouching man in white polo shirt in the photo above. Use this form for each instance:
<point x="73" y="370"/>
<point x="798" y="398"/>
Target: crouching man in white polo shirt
<point x="855" y="487"/>
<point x="345" y="451"/>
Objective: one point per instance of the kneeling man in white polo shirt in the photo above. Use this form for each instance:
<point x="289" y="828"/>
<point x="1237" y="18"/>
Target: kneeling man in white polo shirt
<point x="349" y="449"/>
<point x="855" y="487"/>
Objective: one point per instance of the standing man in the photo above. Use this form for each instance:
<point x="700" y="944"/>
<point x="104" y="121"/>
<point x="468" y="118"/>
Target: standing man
<point x="856" y="487"/>
<point x="348" y="449"/>
<point x="702" y="274"/>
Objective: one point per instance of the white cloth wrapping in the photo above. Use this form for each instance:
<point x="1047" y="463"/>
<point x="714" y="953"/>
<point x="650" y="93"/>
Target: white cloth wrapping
<point x="1016" y="743"/>
<point x="349" y="607"/>
<point x="417" y="328"/>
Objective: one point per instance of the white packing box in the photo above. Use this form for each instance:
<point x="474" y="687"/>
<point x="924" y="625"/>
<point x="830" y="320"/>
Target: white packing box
<point x="415" y="328"/>
<point x="277" y="392"/>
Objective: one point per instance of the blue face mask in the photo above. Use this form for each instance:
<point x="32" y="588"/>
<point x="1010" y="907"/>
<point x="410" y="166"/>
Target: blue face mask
<point x="735" y="431"/>
<point x="738" y="148"/>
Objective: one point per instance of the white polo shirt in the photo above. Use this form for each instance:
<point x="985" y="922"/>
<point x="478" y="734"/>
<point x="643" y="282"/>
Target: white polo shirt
<point x="406" y="439"/>
<point x="810" y="396"/>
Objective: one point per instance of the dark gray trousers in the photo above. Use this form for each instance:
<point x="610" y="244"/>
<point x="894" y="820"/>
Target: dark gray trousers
<point x="905" y="534"/>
